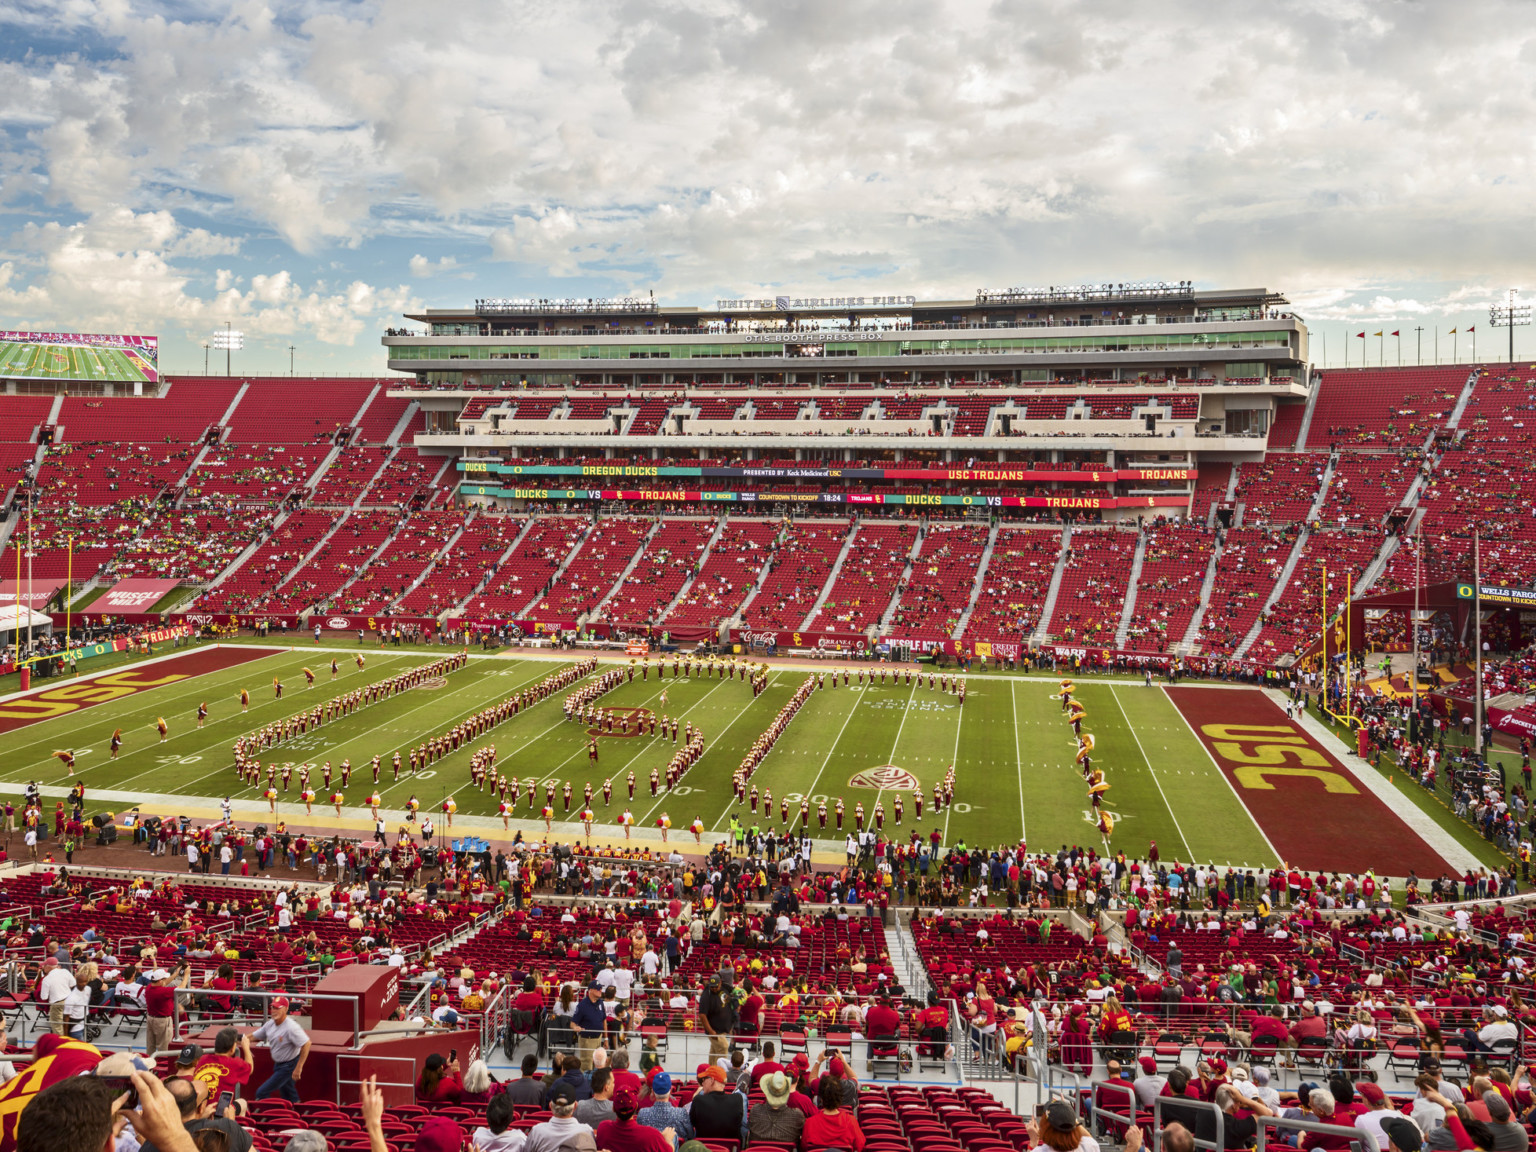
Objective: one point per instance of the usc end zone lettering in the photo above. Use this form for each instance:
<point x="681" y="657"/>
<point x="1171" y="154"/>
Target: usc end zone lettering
<point x="58" y="701"/>
<point x="1315" y="813"/>
<point x="1259" y="750"/>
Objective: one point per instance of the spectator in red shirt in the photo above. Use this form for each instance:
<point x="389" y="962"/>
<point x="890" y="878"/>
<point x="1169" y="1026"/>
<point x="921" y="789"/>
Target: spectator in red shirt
<point x="224" y="1070"/>
<point x="831" y="1127"/>
<point x="767" y="1066"/>
<point x="440" y="1081"/>
<point x="625" y="1134"/>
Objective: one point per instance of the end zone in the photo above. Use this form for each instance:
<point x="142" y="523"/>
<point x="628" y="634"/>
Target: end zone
<point x="25" y="708"/>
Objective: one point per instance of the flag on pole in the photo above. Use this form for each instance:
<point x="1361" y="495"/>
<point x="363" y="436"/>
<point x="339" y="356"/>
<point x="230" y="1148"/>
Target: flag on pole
<point x="1361" y="335"/>
<point x="1396" y="333"/>
<point x="1471" y="329"/>
<point x="1453" y="332"/>
<point x="1378" y="333"/>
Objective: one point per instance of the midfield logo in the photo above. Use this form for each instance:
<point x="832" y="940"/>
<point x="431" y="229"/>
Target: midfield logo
<point x="887" y="777"/>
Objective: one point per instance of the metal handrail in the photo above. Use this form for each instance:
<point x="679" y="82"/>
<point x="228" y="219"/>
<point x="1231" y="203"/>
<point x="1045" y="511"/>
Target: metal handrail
<point x="409" y="1085"/>
<point x="1356" y="1136"/>
<point x="1216" y="1145"/>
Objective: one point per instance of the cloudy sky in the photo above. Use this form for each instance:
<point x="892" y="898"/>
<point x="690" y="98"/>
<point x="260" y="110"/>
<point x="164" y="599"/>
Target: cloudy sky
<point x="309" y="170"/>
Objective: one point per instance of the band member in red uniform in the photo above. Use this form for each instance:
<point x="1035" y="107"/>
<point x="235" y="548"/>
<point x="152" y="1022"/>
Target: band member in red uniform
<point x="896" y="807"/>
<point x="202" y="713"/>
<point x="655" y="781"/>
<point x="346" y="773"/>
<point x="376" y="769"/>
<point x="567" y="795"/>
<point x="858" y="815"/>
<point x="917" y="801"/>
<point x="592" y="750"/>
<point x="631" y="782"/>
<point x="608" y="790"/>
<point x="821" y="813"/>
<point x="879" y="814"/>
<point x="752" y="797"/>
<point x="805" y="814"/>
<point x="839" y="811"/>
<point x="784" y="811"/>
<point x="586" y="795"/>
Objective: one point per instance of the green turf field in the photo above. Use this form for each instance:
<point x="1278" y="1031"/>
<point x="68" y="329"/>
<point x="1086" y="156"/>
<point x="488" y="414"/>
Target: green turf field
<point x="1012" y="750"/>
<point x="69" y="362"/>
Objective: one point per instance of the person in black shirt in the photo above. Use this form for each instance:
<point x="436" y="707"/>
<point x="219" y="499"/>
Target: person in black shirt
<point x="716" y="1112"/>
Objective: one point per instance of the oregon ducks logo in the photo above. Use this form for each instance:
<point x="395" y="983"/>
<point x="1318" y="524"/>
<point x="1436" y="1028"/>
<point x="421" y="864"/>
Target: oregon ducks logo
<point x="1464" y="592"/>
<point x="434" y="682"/>
<point x="887" y="777"/>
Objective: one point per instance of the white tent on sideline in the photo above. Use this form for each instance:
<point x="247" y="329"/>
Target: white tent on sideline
<point x="33" y="624"/>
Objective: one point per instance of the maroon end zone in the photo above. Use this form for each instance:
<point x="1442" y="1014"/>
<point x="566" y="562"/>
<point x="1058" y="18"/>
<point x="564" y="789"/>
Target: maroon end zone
<point x="1312" y="809"/>
<point x="73" y="695"/>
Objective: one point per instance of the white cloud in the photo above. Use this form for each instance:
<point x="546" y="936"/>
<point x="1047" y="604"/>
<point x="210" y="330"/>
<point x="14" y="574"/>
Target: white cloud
<point x="1370" y="158"/>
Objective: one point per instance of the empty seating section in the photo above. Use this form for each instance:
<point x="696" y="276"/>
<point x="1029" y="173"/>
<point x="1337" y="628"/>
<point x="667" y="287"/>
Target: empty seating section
<point x="409" y="554"/>
<point x="246" y="588"/>
<point x="864" y="587"/>
<point x="340" y="558"/>
<point x="1246" y="571"/>
<point x="1295" y="618"/>
<point x="384" y="412"/>
<point x="588" y="408"/>
<point x="1287" y="424"/>
<point x="528" y="571"/>
<point x="670" y="558"/>
<point x="718" y="408"/>
<point x="796" y="575"/>
<point x="1014" y="586"/>
<point x="842" y="407"/>
<point x="907" y="407"/>
<point x="180" y="418"/>
<point x="728" y="574"/>
<point x="106" y="472"/>
<point x="1365" y="487"/>
<point x="1280" y="489"/>
<point x="648" y="419"/>
<point x="1486" y="479"/>
<point x="296" y="412"/>
<point x="1210" y="488"/>
<point x="595" y="568"/>
<point x="1093" y="586"/>
<point x="769" y="410"/>
<point x="348" y="475"/>
<point x="461" y="569"/>
<point x="971" y="415"/>
<point x="188" y="544"/>
<point x="15" y="457"/>
<point x="22" y="417"/>
<point x="250" y="474"/>
<point x="1173" y="566"/>
<point x="540" y="408"/>
<point x="939" y="590"/>
<point x="1382" y="407"/>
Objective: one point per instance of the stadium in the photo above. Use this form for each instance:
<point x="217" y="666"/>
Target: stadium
<point x="1004" y="693"/>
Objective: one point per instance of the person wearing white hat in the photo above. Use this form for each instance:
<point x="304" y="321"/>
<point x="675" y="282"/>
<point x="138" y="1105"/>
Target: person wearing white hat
<point x="1497" y="1026"/>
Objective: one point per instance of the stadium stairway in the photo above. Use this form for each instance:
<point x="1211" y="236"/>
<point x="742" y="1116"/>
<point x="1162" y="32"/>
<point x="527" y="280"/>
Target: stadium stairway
<point x="980" y="581"/>
<point x="362" y="409"/>
<point x="180" y="487"/>
<point x="229" y="413"/>
<point x="394" y="605"/>
<point x="618" y="583"/>
<point x="313" y="552"/>
<point x="1129" y="610"/>
<point x="1306" y="419"/>
<point x="1462" y="401"/>
<point x="310" y="486"/>
<point x="1039" y="635"/>
<point x="901" y="584"/>
<point x="368" y="487"/>
<point x="757" y="586"/>
<point x="458" y="609"/>
<point x="250" y="550"/>
<point x="698" y="567"/>
<point x="559" y="573"/>
<point x="1283" y="581"/>
<point x="402" y="425"/>
<point x="1186" y="646"/>
<point x="826" y="588"/>
<point x="7" y="526"/>
<point x="52" y="419"/>
<point x="361" y="569"/>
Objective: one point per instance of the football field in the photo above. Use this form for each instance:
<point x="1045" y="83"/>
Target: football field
<point x="69" y="362"/>
<point x="1175" y="775"/>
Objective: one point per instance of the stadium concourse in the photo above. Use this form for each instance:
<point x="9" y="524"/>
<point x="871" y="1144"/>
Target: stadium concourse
<point x="290" y="505"/>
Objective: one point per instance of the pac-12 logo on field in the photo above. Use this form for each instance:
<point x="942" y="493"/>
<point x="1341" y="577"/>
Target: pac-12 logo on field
<point x="887" y="777"/>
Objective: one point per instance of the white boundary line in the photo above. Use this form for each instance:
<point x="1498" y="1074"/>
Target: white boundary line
<point x="1236" y="794"/>
<point x="1151" y="771"/>
<point x="1018" y="756"/>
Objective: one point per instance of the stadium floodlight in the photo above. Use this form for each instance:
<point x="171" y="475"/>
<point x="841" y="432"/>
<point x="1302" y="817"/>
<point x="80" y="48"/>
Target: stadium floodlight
<point x="228" y="341"/>
<point x="1511" y="315"/>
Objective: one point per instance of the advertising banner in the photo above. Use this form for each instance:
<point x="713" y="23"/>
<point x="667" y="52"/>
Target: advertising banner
<point x="825" y="499"/>
<point x="1001" y="474"/>
<point x="34" y="598"/>
<point x="132" y="596"/>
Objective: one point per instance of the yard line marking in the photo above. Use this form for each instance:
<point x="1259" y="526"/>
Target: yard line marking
<point x="270" y="702"/>
<point x="891" y="759"/>
<point x="1018" y="756"/>
<point x="1275" y="855"/>
<point x="948" y="808"/>
<point x="277" y="748"/>
<point x="1153" y="772"/>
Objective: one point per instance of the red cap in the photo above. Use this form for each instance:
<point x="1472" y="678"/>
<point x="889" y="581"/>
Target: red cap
<point x="280" y="1002"/>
